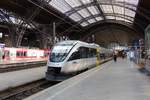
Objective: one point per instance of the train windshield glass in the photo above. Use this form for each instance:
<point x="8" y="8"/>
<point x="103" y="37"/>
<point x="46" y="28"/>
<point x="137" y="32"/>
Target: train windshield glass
<point x="59" y="53"/>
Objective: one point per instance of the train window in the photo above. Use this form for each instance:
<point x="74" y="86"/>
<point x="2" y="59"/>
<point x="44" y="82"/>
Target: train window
<point x="87" y="52"/>
<point x="83" y="52"/>
<point x="57" y="57"/>
<point x="18" y="53"/>
<point x="45" y="54"/>
<point x="91" y="53"/>
<point x="75" y="55"/>
<point x="25" y="54"/>
<point x="21" y="53"/>
<point x="94" y="52"/>
<point x="6" y="53"/>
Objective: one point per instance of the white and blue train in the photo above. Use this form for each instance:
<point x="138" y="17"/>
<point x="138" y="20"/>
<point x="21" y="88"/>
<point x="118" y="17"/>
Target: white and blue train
<point x="70" y="57"/>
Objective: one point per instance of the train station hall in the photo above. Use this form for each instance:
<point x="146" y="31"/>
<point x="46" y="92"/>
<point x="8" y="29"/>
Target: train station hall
<point x="74" y="49"/>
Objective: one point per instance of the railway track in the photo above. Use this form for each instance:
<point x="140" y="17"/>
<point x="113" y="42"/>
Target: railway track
<point x="21" y="92"/>
<point x="21" y="66"/>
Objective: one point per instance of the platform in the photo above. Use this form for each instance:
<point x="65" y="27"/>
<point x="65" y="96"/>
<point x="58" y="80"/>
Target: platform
<point x="111" y="81"/>
<point x="10" y="63"/>
<point x="17" y="78"/>
<point x="20" y="61"/>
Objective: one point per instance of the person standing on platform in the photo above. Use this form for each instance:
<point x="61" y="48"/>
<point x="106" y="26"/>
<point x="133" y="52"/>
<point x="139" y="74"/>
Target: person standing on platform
<point x="128" y="55"/>
<point x="115" y="56"/>
<point x="132" y="55"/>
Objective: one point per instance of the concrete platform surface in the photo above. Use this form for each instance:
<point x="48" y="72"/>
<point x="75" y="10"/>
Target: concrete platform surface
<point x="110" y="81"/>
<point x="17" y="78"/>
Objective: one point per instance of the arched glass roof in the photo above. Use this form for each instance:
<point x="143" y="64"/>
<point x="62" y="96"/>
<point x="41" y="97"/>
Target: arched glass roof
<point x="87" y="12"/>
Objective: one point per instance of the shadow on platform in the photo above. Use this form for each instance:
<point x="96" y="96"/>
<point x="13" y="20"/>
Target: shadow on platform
<point x="145" y="71"/>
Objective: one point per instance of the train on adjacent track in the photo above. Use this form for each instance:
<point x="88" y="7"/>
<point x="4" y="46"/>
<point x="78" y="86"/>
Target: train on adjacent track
<point x="11" y="53"/>
<point x="147" y="49"/>
<point x="67" y="58"/>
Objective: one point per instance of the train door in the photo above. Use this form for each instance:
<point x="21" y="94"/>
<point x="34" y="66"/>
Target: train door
<point x="97" y="57"/>
<point x="73" y="62"/>
<point x="38" y="53"/>
<point x="76" y="62"/>
<point x="46" y="53"/>
<point x="20" y="53"/>
<point x="6" y="54"/>
<point x="92" y="57"/>
<point x="12" y="53"/>
<point x="1" y="54"/>
<point x="83" y="61"/>
<point x="1" y="51"/>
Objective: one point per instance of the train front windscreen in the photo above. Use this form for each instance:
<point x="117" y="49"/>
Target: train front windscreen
<point x="59" y="53"/>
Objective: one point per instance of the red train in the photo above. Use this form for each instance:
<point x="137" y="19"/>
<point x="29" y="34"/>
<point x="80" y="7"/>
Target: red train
<point x="8" y="53"/>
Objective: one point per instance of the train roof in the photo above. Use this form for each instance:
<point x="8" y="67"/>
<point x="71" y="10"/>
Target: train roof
<point x="67" y="42"/>
<point x="73" y="42"/>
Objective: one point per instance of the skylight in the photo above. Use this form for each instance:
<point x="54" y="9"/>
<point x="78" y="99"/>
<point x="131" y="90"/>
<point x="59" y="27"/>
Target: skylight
<point x="99" y="18"/>
<point x="107" y="8"/>
<point x="86" y="12"/>
<point x="60" y="5"/>
<point x="87" y="1"/>
<point x="84" y="24"/>
<point x="91" y="21"/>
<point x="18" y="21"/>
<point x="110" y="17"/>
<point x="134" y="2"/>
<point x="119" y="10"/>
<point x="119" y="18"/>
<point x="129" y="18"/>
<point x="128" y="21"/>
<point x="129" y="13"/>
<point x="93" y="10"/>
<point x="104" y="1"/>
<point x="75" y="16"/>
<point x="73" y="3"/>
<point x="15" y="20"/>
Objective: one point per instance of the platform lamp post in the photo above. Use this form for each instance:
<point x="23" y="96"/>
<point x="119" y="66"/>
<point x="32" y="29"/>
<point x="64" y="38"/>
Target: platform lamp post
<point x="1" y="36"/>
<point x="54" y="33"/>
<point x="141" y="43"/>
<point x="26" y="41"/>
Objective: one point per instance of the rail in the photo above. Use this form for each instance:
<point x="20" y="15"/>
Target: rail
<point x="21" y="66"/>
<point x="18" y="93"/>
